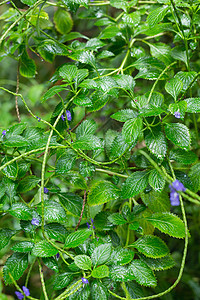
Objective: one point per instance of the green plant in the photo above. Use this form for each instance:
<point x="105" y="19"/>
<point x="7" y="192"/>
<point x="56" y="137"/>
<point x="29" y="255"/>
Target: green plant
<point x="85" y="173"/>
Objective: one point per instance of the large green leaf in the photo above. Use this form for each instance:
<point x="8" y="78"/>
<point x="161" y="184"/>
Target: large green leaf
<point x="16" y="141"/>
<point x="117" y="219"/>
<point x="100" y="272"/>
<point x="156" y="142"/>
<point x="21" y="211"/>
<point x="99" y="291"/>
<point x="63" y="21"/>
<point x="179" y="135"/>
<point x="68" y="72"/>
<point x="159" y="264"/>
<point x="62" y="280"/>
<point x="44" y="249"/>
<point x="162" y="52"/>
<point x="56" y="231"/>
<point x="102" y="192"/>
<point x="23" y="247"/>
<point x="156" y="181"/>
<point x="88" y="142"/>
<point x="151" y="246"/>
<point x="174" y="87"/>
<point x="53" y="211"/>
<point x="66" y="162"/>
<point x="87" y="127"/>
<point x="5" y="236"/>
<point x="142" y="273"/>
<point x="28" y="183"/>
<point x="118" y="146"/>
<point x="135" y="184"/>
<point x="182" y="156"/>
<point x="27" y="66"/>
<point x="156" y="201"/>
<point x="186" y="78"/>
<point x="193" y="105"/>
<point x="157" y="15"/>
<point x="120" y="273"/>
<point x="131" y="130"/>
<point x="124" y="115"/>
<point x="72" y="203"/>
<point x="101" y="254"/>
<point x="132" y="19"/>
<point x="76" y="238"/>
<point x="168" y="223"/>
<point x="10" y="170"/>
<point x="122" y="256"/>
<point x="83" y="262"/>
<point x="109" y="32"/>
<point x="16" y="264"/>
<point x="194" y="174"/>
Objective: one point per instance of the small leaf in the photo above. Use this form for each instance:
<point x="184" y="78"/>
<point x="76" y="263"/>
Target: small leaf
<point x="23" y="247"/>
<point x="179" y="134"/>
<point x="120" y="273"/>
<point x="16" y="141"/>
<point x="157" y="15"/>
<point x="21" y="211"/>
<point x="156" y="142"/>
<point x="83" y="262"/>
<point x="168" y="223"/>
<point x="99" y="291"/>
<point x="72" y="203"/>
<point x="193" y="105"/>
<point x="44" y="249"/>
<point x="117" y="219"/>
<point x="27" y="66"/>
<point x="53" y="211"/>
<point x="124" y="115"/>
<point x="162" y="52"/>
<point x="66" y="162"/>
<point x="87" y="127"/>
<point x="16" y="264"/>
<point x="102" y="192"/>
<point x="5" y="236"/>
<point x="122" y="256"/>
<point x="156" y="181"/>
<point x="51" y="263"/>
<point x="156" y="201"/>
<point x="68" y="72"/>
<point x="135" y="184"/>
<point x="88" y="142"/>
<point x="131" y="130"/>
<point x="142" y="273"/>
<point x="132" y="19"/>
<point x="182" y="156"/>
<point x="63" y="21"/>
<point x="101" y="254"/>
<point x="10" y="170"/>
<point x="53" y="91"/>
<point x="28" y="183"/>
<point x="109" y="32"/>
<point x="174" y="87"/>
<point x="100" y="272"/>
<point x="76" y="238"/>
<point x="62" y="280"/>
<point x="56" y="231"/>
<point x="151" y="246"/>
<point x="179" y="53"/>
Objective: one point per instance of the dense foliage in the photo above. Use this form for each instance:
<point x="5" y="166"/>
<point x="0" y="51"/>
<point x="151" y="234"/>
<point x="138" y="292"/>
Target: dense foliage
<point x="99" y="149"/>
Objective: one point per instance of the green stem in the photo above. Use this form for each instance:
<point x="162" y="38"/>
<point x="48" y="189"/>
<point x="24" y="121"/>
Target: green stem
<point x="42" y="281"/>
<point x="111" y="173"/>
<point x="64" y="294"/>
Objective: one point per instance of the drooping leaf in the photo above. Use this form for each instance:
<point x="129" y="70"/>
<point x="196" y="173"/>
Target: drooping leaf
<point x="142" y="273"/>
<point x="27" y="66"/>
<point x="16" y="264"/>
<point x="174" y="86"/>
<point x="5" y="236"/>
<point x="63" y="21"/>
<point x="102" y="192"/>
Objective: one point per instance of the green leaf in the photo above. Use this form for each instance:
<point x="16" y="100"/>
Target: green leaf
<point x="52" y="47"/>
<point x="66" y="162"/>
<point x="27" y="66"/>
<point x="16" y="141"/>
<point x="56" y="231"/>
<point x="23" y="247"/>
<point x="117" y="219"/>
<point x="77" y="180"/>
<point x="82" y="100"/>
<point x="162" y="52"/>
<point x="156" y="142"/>
<point x="68" y="72"/>
<point x="85" y="57"/>
<point x="182" y="156"/>
<point x="63" y="21"/>
<point x="88" y="142"/>
<point x="168" y="223"/>
<point x="101" y="254"/>
<point x="142" y="273"/>
<point x="124" y="115"/>
<point x="186" y="78"/>
<point x="94" y="44"/>
<point x="123" y="4"/>
<point x="135" y="184"/>
<point x="99" y="291"/>
<point x="157" y="15"/>
<point x="73" y="5"/>
<point x="194" y="174"/>
<point x="180" y="106"/>
<point x="21" y="211"/>
<point x="29" y="2"/>
<point x="28" y="183"/>
<point x="131" y="130"/>
<point x="118" y="146"/>
<point x="5" y="236"/>
<point x="122" y="256"/>
<point x="157" y="201"/>
<point x="62" y="280"/>
<point x="10" y="170"/>
<point x="100" y="272"/>
<point x="179" y="54"/>
<point x="120" y="273"/>
<point x="53" y="91"/>
<point x="16" y="264"/>
<point x="156" y="181"/>
<point x="109" y="32"/>
<point x="193" y="105"/>
<point x="72" y="203"/>
<point x="76" y="238"/>
<point x="132" y="19"/>
<point x="125" y="82"/>
<point x="87" y="127"/>
<point x="158" y="264"/>
<point x="53" y="211"/>
<point x="102" y="192"/>
<point x="16" y="129"/>
<point x="83" y="262"/>
<point x="51" y="263"/>
<point x="179" y="134"/>
<point x="44" y="249"/>
<point x="174" y="86"/>
<point x="151" y="246"/>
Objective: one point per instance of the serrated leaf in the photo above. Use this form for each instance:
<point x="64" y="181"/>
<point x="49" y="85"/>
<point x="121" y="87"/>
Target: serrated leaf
<point x="62" y="280"/>
<point x="182" y="156"/>
<point x="156" y="143"/>
<point x="16" y="264"/>
<point x="100" y="272"/>
<point x="27" y="66"/>
<point x="157" y="15"/>
<point x="77" y="180"/>
<point x="109" y="32"/>
<point x="124" y="115"/>
<point x="122" y="256"/>
<point x="194" y="174"/>
<point x="135" y="184"/>
<point x="16" y="129"/>
<point x="83" y="262"/>
<point x="5" y="236"/>
<point x="179" y="134"/>
<point x="102" y="192"/>
<point x="53" y="91"/>
<point x="168" y="223"/>
<point x="11" y="170"/>
<point x="76" y="238"/>
<point x="28" y="183"/>
<point x="88" y="142"/>
<point x="132" y="19"/>
<point x="179" y="53"/>
<point x="23" y="247"/>
<point x="162" y="52"/>
<point x="157" y="201"/>
<point x="21" y="211"/>
<point x="72" y="203"/>
<point x="186" y="78"/>
<point x="180" y="107"/>
<point x="101" y="254"/>
<point x="52" y="47"/>
<point x="68" y="72"/>
<point x="132" y="129"/>
<point x="44" y="249"/>
<point x="53" y="211"/>
<point x="174" y="86"/>
<point x="120" y="273"/>
<point x="118" y="146"/>
<point x="87" y="127"/>
<point x="156" y="181"/>
<point x="51" y="263"/>
<point x="151" y="246"/>
<point x="29" y="2"/>
<point x="63" y="21"/>
<point x="193" y="105"/>
<point x="66" y="162"/>
<point x="99" y="291"/>
<point x="85" y="57"/>
<point x="16" y="141"/>
<point x="126" y="82"/>
<point x="142" y="273"/>
<point x="56" y="231"/>
<point x="117" y="219"/>
<point x="158" y="264"/>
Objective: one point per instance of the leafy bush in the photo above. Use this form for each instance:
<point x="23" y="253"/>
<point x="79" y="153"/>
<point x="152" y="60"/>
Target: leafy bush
<point x="101" y="169"/>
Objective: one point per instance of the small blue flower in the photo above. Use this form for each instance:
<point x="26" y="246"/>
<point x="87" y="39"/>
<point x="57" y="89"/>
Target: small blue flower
<point x="46" y="190"/>
<point x="93" y="227"/>
<point x="84" y="280"/>
<point x="58" y="255"/>
<point x="178" y="186"/>
<point x="26" y="291"/>
<point x="88" y="225"/>
<point x="63" y="117"/>
<point x="68" y="114"/>
<point x="8" y="2"/>
<point x="4" y="132"/>
<point x="177" y="114"/>
<point x="35" y="222"/>
<point x="39" y="119"/>
<point x="174" y="198"/>
<point x="19" y="295"/>
<point x="92" y="221"/>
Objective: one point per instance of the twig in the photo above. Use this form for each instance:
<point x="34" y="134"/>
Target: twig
<point x="17" y="91"/>
<point x="84" y="200"/>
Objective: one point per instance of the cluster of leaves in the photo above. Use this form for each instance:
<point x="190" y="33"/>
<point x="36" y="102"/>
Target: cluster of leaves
<point x="99" y="193"/>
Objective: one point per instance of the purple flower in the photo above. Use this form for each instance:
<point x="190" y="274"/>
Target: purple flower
<point x="8" y="2"/>
<point x="97" y="239"/>
<point x="35" y="222"/>
<point x="177" y="186"/>
<point x="26" y="291"/>
<point x="63" y="117"/>
<point x="177" y="114"/>
<point x="93" y="227"/>
<point x="88" y="225"/>
<point x="46" y="190"/>
<point x="92" y="221"/>
<point x="4" y="132"/>
<point x="19" y="295"/>
<point x="58" y="255"/>
<point x="84" y="280"/>
<point x="174" y="198"/>
<point x="68" y="114"/>
<point x="39" y="119"/>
